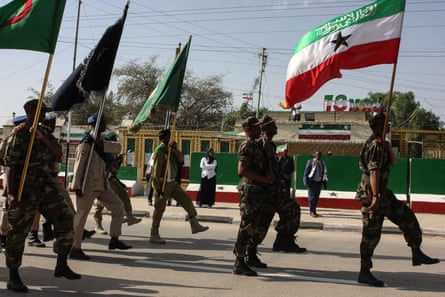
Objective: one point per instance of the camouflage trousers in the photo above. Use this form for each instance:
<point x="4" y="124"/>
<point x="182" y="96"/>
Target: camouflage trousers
<point x="288" y="211"/>
<point x="45" y="199"/>
<point x="398" y="213"/>
<point x="256" y="213"/>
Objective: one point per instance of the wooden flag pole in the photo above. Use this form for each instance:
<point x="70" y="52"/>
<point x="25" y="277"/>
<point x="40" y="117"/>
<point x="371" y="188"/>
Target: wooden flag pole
<point x="34" y="128"/>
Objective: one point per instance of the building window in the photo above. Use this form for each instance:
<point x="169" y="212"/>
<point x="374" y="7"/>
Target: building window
<point x="224" y="147"/>
<point x="205" y="145"/>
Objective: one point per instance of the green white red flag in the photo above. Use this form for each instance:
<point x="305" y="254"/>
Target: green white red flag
<point x="248" y="96"/>
<point x="364" y="37"/>
<point x="31" y="24"/>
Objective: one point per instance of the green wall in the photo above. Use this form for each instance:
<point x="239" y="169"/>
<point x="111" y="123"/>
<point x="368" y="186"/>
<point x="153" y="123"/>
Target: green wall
<point x="428" y="176"/>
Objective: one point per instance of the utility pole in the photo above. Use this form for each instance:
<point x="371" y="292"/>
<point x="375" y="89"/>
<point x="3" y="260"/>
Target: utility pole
<point x="263" y="67"/>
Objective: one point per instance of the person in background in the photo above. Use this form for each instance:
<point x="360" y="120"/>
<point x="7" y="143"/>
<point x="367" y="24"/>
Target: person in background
<point x="179" y="159"/>
<point x="148" y="180"/>
<point x="315" y="176"/>
<point x="113" y="164"/>
<point x="378" y="202"/>
<point x="207" y="190"/>
<point x="287" y="168"/>
<point x="90" y="181"/>
<point x="165" y="186"/>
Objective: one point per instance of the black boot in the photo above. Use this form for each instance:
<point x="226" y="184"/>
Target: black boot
<point x="48" y="233"/>
<point x="15" y="282"/>
<point x="420" y="258"/>
<point x="115" y="243"/>
<point x="2" y="241"/>
<point x="253" y="260"/>
<point x="278" y="243"/>
<point x="62" y="269"/>
<point x="285" y="242"/>
<point x="34" y="239"/>
<point x="366" y="277"/>
<point x="242" y="268"/>
<point x="87" y="234"/>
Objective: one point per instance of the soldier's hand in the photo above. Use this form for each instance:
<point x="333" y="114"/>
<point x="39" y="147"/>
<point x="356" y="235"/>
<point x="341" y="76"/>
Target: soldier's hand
<point x="13" y="201"/>
<point x="79" y="193"/>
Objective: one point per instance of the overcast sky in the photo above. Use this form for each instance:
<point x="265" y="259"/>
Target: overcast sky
<point x="228" y="38"/>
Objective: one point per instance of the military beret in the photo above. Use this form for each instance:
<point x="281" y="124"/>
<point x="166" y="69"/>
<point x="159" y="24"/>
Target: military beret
<point x="377" y="119"/>
<point x="267" y="120"/>
<point x="251" y="122"/>
<point x="93" y="118"/>
<point x="31" y="105"/>
<point x="19" y="119"/>
<point x="164" y="132"/>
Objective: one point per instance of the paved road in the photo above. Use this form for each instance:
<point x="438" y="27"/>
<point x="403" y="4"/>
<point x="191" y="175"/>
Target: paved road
<point x="200" y="265"/>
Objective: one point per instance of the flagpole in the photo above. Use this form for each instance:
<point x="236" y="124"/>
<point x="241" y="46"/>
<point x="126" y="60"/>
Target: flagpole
<point x="178" y="51"/>
<point x="34" y="127"/>
<point x="95" y="135"/>
<point x="70" y="113"/>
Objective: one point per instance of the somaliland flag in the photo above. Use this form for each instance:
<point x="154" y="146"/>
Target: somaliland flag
<point x="364" y="37"/>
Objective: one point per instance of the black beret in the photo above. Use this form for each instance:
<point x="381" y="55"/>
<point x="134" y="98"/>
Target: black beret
<point x="31" y="105"/>
<point x="377" y="119"/>
<point x="251" y="122"/>
<point x="164" y="132"/>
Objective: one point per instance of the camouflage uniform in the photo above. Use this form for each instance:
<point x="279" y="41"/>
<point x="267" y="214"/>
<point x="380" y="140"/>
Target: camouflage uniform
<point x="255" y="204"/>
<point x="39" y="194"/>
<point x="374" y="156"/>
<point x="279" y="201"/>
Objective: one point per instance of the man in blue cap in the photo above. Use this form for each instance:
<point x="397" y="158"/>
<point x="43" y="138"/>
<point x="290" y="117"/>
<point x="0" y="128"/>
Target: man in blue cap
<point x="90" y="182"/>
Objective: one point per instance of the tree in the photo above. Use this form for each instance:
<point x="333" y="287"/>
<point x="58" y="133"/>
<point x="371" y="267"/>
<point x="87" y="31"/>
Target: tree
<point x="204" y="103"/>
<point x="406" y="113"/>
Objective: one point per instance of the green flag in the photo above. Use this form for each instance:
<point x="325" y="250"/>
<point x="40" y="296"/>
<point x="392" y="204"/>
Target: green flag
<point x="31" y="24"/>
<point x="168" y="90"/>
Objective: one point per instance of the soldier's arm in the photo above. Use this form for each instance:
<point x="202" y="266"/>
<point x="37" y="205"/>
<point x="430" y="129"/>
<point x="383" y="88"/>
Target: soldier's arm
<point x="245" y="171"/>
<point x="54" y="148"/>
<point x="12" y="192"/>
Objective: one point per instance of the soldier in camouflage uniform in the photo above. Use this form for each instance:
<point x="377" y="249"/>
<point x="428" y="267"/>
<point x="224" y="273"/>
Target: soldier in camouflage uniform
<point x="379" y="202"/>
<point x="38" y="194"/>
<point x="254" y="204"/>
<point x="279" y="201"/>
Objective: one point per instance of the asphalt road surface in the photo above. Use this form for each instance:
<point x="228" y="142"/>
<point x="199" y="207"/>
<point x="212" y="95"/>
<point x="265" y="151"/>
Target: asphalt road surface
<point x="201" y="265"/>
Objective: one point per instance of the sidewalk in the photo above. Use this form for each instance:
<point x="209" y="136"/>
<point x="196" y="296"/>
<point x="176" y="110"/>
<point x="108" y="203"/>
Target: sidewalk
<point x="331" y="219"/>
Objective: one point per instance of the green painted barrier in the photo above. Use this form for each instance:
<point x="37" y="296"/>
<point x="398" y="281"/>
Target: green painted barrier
<point x="428" y="176"/>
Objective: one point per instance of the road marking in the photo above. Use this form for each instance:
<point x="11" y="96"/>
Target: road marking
<point x="265" y="274"/>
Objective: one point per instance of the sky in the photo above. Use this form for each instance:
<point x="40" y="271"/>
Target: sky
<point x="228" y="37"/>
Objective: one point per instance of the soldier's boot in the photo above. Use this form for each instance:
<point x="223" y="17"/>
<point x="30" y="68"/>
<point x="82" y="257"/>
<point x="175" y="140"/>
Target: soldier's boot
<point x="253" y="260"/>
<point x="293" y="247"/>
<point x="115" y="243"/>
<point x="241" y="268"/>
<point x="15" y="282"/>
<point x="196" y="226"/>
<point x="420" y="258"/>
<point x="131" y="219"/>
<point x="34" y="240"/>
<point x="62" y="269"/>
<point x="154" y="236"/>
<point x="279" y="242"/>
<point x="365" y="276"/>
<point x="99" y="228"/>
<point x="3" y="241"/>
<point x="48" y="233"/>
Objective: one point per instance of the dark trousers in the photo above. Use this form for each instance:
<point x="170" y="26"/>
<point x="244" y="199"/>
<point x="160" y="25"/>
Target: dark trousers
<point x="314" y="189"/>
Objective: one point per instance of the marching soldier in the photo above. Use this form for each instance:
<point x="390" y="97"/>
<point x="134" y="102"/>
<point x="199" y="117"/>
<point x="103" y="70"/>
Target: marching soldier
<point x="38" y="194"/>
<point x="379" y="202"/>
